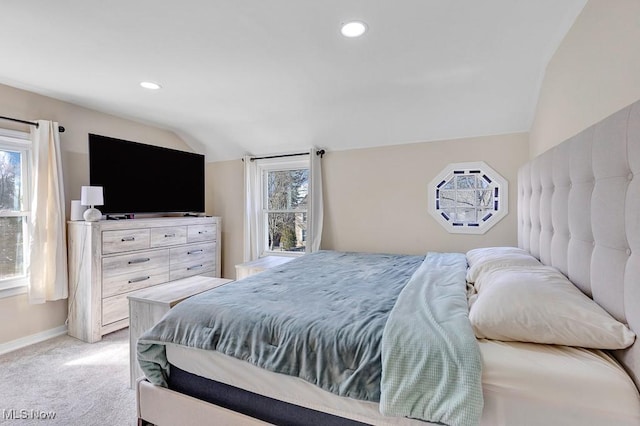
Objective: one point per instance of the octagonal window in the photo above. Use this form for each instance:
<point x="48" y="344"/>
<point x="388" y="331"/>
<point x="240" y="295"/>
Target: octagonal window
<point x="468" y="198"/>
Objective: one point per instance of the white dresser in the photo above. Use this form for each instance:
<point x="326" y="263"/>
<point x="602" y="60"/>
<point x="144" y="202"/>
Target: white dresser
<point x="110" y="259"/>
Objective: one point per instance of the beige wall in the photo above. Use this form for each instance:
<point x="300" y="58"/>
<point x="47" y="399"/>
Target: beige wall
<point x="17" y="318"/>
<point x="594" y="73"/>
<point x="376" y="199"/>
<point x="225" y="198"/>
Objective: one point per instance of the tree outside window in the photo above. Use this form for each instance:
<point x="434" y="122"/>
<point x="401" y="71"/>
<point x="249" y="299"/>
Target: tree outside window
<point x="285" y="209"/>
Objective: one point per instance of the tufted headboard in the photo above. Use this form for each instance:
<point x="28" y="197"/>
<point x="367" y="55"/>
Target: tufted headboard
<point x="579" y="211"/>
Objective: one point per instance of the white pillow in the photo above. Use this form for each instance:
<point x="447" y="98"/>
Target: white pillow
<point x="487" y="258"/>
<point x="541" y="305"/>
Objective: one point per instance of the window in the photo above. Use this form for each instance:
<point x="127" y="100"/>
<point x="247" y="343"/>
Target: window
<point x="14" y="208"/>
<point x="284" y="200"/>
<point x="468" y="198"/>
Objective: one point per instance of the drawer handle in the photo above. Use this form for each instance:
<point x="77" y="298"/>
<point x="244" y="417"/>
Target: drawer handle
<point x="137" y="280"/>
<point x="190" y="268"/>
<point x="169" y="235"/>
<point x="202" y="232"/>
<point x="195" y="251"/>
<point x="142" y="260"/>
<point x="128" y="239"/>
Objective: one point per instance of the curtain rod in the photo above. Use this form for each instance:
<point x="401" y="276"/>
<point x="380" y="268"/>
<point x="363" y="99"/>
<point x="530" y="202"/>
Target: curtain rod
<point x="319" y="152"/>
<point x="31" y="123"/>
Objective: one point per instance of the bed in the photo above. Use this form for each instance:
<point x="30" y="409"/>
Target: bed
<point x="578" y="220"/>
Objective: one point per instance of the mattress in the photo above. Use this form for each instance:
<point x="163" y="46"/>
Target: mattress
<point x="523" y="383"/>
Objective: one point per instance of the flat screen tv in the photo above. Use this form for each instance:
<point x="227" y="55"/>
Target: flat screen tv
<point x="141" y="178"/>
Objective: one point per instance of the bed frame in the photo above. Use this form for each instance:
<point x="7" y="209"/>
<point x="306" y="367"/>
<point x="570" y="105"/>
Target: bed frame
<point x="578" y="210"/>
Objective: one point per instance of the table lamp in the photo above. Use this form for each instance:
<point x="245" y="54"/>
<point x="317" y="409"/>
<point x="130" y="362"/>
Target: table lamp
<point x="92" y="196"/>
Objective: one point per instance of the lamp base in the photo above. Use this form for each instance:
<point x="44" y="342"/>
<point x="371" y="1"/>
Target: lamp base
<point x="92" y="215"/>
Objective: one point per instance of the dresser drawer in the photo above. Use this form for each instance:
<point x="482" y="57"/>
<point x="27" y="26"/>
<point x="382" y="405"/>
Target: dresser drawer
<point x="134" y="262"/>
<point x="191" y="269"/>
<point x="193" y="252"/>
<point x="206" y="232"/>
<point x="194" y="259"/>
<point x="114" y="308"/>
<point x="134" y="271"/>
<point x="125" y="240"/>
<point x="169" y="236"/>
<point x="134" y="281"/>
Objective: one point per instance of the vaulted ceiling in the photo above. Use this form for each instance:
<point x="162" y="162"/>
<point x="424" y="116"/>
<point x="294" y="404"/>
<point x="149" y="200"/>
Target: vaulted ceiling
<point x="268" y="76"/>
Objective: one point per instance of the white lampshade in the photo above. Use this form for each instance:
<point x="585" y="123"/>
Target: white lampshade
<point x="91" y="196"/>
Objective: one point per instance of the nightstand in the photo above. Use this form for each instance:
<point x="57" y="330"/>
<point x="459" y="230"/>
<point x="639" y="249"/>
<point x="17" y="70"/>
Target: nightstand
<point x="246" y="269"/>
<point x="148" y="306"/>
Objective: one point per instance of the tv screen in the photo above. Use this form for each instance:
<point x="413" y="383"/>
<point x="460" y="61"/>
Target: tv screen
<point x="140" y="178"/>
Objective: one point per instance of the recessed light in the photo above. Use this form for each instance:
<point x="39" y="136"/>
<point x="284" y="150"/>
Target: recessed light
<point x="150" y="85"/>
<point x="353" y="29"/>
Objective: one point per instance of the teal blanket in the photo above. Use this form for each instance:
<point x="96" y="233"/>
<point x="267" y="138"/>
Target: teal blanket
<point x="431" y="362"/>
<point x="319" y="317"/>
<point x="330" y="318"/>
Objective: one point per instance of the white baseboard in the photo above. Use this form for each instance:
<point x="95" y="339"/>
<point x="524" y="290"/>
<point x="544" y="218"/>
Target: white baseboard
<point x="31" y="339"/>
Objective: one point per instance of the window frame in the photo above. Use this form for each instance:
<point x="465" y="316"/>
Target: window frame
<point x="496" y="183"/>
<point x="270" y="165"/>
<point x="17" y="141"/>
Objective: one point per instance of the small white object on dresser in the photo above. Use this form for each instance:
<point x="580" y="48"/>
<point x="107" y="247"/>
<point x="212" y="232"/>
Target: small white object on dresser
<point x="109" y="259"/>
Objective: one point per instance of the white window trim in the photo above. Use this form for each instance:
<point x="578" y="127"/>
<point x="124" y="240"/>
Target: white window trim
<point x="19" y="141"/>
<point x="482" y="226"/>
<point x="263" y="165"/>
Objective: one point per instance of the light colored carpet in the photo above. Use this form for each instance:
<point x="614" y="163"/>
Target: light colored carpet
<point x="81" y="383"/>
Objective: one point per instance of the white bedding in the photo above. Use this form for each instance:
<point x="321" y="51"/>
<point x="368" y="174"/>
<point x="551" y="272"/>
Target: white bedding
<point x="523" y="384"/>
<point x="534" y="384"/>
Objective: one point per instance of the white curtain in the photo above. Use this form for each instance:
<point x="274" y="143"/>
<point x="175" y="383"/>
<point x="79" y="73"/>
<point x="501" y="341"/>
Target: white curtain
<point x="315" y="215"/>
<point x="48" y="249"/>
<point x="252" y="209"/>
